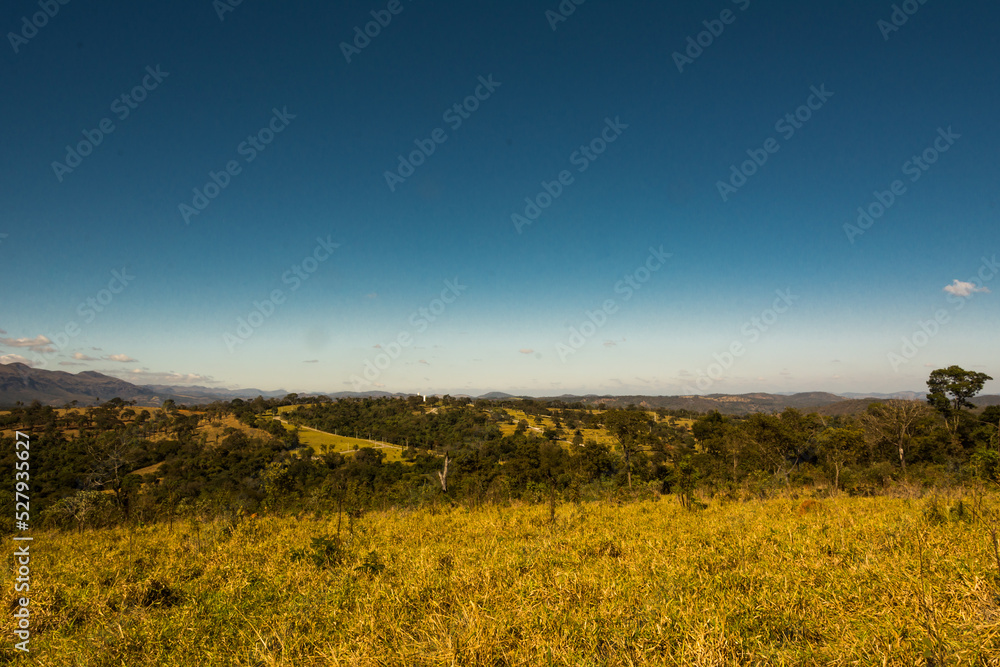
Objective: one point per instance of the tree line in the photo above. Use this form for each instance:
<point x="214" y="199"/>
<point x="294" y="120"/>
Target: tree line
<point x="115" y="463"/>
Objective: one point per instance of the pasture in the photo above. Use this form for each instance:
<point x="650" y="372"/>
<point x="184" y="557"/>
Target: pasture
<point x="792" y="580"/>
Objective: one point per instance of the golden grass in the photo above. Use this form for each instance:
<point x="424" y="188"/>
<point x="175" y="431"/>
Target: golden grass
<point x="328" y="442"/>
<point x="864" y="581"/>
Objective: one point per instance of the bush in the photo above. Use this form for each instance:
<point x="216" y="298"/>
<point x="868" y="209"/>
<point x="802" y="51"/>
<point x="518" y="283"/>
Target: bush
<point x="324" y="551"/>
<point x="877" y="476"/>
<point x="986" y="464"/>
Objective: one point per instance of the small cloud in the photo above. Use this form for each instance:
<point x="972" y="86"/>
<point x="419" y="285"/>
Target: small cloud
<point x="525" y="350"/>
<point x="2" y="332"/>
<point x="97" y="349"/>
<point x="961" y="288"/>
<point x="80" y="356"/>
<point x="124" y="358"/>
<point x="424" y="362"/>
<point x="609" y="343"/>
<point x="311" y="361"/>
<point x="371" y="295"/>
<point x="71" y="363"/>
<point x="15" y="359"/>
<point x="836" y="377"/>
<point x="377" y="346"/>
<point x="36" y="344"/>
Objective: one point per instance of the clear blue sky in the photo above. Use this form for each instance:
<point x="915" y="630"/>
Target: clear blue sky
<point x="624" y="131"/>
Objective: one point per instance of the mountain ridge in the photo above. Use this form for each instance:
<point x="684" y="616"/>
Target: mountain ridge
<point x="21" y="383"/>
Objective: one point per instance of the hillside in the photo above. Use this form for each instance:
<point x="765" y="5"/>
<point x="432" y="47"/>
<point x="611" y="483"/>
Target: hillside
<point x="19" y="382"/>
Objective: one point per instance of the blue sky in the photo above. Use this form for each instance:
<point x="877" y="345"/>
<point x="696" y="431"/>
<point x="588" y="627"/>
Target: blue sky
<point x="622" y="130"/>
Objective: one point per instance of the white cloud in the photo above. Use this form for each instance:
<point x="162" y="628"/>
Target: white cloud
<point x="124" y="358"/>
<point x="609" y="343"/>
<point x="80" y="356"/>
<point x="36" y="344"/>
<point x="961" y="288"/>
<point x="15" y="359"/>
<point x="525" y="350"/>
<point x="71" y="363"/>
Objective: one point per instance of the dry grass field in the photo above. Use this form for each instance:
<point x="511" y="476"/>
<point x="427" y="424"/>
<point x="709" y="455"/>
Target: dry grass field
<point x="787" y="581"/>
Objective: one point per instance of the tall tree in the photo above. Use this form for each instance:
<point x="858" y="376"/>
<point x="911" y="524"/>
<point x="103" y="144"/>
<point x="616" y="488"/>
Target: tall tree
<point x="839" y="447"/>
<point x="895" y="423"/>
<point x="950" y="390"/>
<point x="631" y="428"/>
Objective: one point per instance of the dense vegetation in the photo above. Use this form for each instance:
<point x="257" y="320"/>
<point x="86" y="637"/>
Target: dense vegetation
<point x="85" y="462"/>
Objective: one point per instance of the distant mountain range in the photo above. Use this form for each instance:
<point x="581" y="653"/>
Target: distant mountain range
<point x="21" y="383"/>
<point x="727" y="404"/>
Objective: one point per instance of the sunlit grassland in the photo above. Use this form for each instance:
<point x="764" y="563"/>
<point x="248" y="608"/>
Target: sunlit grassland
<point x="847" y="581"/>
<point x="324" y="443"/>
<point x="538" y="424"/>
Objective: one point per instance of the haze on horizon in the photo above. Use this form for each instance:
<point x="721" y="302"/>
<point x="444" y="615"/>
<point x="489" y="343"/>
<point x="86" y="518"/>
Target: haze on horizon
<point x="721" y="197"/>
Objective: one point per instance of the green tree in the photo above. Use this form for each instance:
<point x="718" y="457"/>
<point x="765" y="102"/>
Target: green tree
<point x="950" y="390"/>
<point x="631" y="428"/>
<point x="840" y="446"/>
